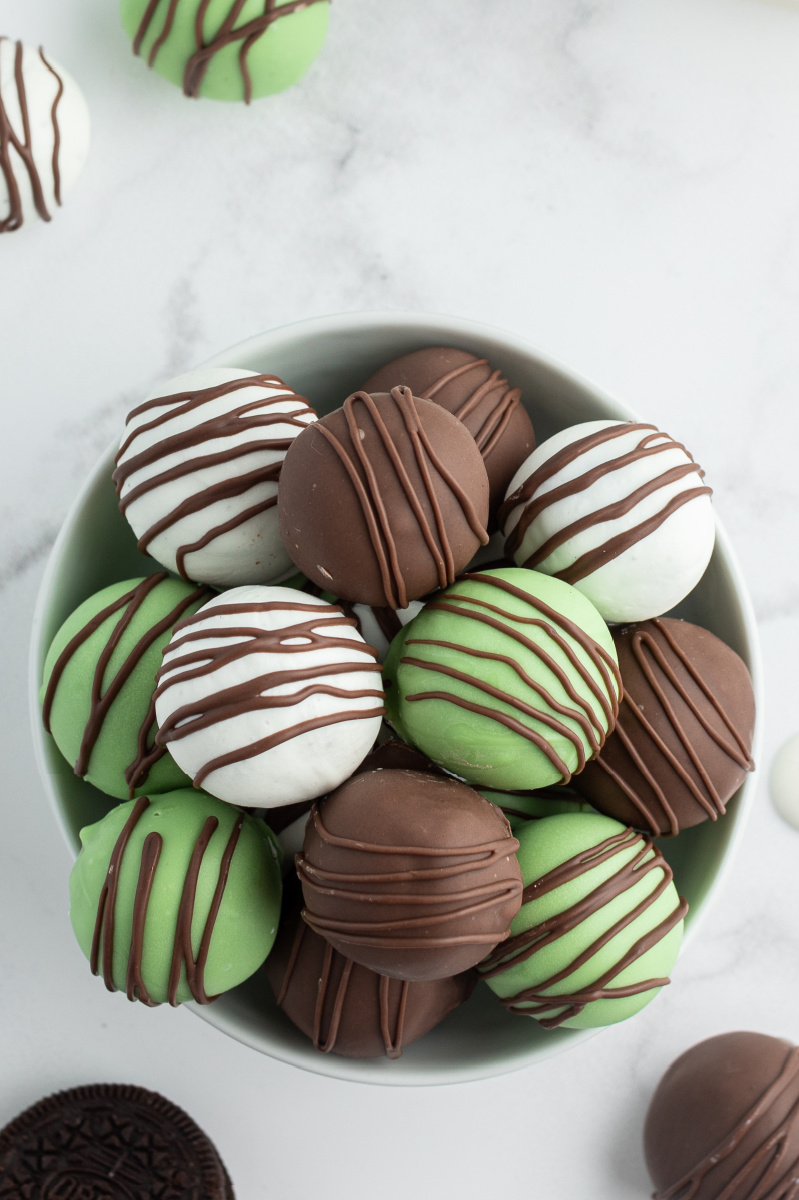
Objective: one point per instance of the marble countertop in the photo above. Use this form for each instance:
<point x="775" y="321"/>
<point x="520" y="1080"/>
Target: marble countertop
<point x="614" y="180"/>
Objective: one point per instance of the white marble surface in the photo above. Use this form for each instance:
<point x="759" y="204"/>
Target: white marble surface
<point x="616" y="180"/>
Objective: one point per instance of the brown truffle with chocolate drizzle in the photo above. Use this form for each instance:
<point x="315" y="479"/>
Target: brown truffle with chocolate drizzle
<point x="478" y="395"/>
<point x="723" y="1123"/>
<point x="345" y="1008"/>
<point x="410" y="875"/>
<point x="384" y="499"/>
<point x="683" y="738"/>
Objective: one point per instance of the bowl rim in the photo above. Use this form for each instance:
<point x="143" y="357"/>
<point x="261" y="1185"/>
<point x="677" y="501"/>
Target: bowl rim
<point x="436" y="329"/>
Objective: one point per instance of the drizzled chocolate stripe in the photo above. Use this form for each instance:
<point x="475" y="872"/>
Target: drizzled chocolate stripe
<point x="103" y="694"/>
<point x="371" y="492"/>
<point x="10" y="139"/>
<point x="226" y="35"/>
<point x="387" y="619"/>
<point x="102" y="949"/>
<point x="539" y="999"/>
<point x="325" y="1040"/>
<point x="243" y="419"/>
<point x="664" y="680"/>
<point x="582" y="712"/>
<point x="183" y="664"/>
<point x="439" y="909"/>
<point x="504" y="400"/>
<point x="652" y="442"/>
<point x="765" y="1174"/>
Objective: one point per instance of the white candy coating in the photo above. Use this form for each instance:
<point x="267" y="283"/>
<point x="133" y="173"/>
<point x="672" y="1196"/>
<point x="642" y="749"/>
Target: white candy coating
<point x="238" y="671"/>
<point x="661" y="504"/>
<point x="197" y="474"/>
<point x="371" y="629"/>
<point x="784" y="781"/>
<point x="39" y="170"/>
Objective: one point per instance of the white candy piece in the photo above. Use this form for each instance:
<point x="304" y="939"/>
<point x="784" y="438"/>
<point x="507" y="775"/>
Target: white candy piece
<point x="784" y="781"/>
<point x="197" y="474"/>
<point x="268" y="696"/>
<point x="377" y="627"/>
<point x="619" y="510"/>
<point x="44" y="134"/>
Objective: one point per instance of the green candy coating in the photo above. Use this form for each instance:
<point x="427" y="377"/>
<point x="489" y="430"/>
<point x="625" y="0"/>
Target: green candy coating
<point x="116" y="748"/>
<point x="528" y="651"/>
<point x="260" y="52"/>
<point x="602" y="908"/>
<point x="246" y="922"/>
<point x="521" y="809"/>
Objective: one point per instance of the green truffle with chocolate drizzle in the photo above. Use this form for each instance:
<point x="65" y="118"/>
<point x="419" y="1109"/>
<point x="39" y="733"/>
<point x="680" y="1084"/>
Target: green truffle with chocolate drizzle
<point x="227" y="49"/>
<point x="507" y="679"/>
<point x="175" y="898"/>
<point x="99" y="682"/>
<point x="599" y="928"/>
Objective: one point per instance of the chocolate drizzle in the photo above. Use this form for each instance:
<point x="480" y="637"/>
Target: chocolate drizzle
<point x="104" y="692"/>
<point x="10" y="139"/>
<point x="499" y="402"/>
<point x="534" y="502"/>
<point x="324" y="1037"/>
<point x="539" y="999"/>
<point x="440" y="912"/>
<point x="372" y="491"/>
<point x="188" y="443"/>
<point x="263" y="692"/>
<point x="102" y="949"/>
<point x="228" y="34"/>
<point x="582" y="710"/>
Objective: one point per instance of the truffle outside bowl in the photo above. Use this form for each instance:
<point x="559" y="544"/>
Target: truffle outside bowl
<point x="325" y="359"/>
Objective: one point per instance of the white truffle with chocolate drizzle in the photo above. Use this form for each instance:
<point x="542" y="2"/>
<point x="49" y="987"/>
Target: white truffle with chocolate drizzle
<point x="268" y="696"/>
<point x="617" y="509"/>
<point x="198" y="469"/>
<point x="44" y="134"/>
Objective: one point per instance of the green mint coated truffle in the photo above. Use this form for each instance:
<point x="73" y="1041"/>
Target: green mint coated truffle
<point x="599" y="928"/>
<point x="227" y="49"/>
<point x="176" y="897"/>
<point x="99" y="680"/>
<point x="508" y="679"/>
<point x="519" y="809"/>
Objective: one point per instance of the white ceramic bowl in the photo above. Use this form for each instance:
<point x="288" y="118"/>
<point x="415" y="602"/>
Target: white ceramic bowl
<point x="325" y="359"/>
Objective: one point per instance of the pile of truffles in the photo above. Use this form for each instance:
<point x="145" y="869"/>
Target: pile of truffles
<point x="380" y="638"/>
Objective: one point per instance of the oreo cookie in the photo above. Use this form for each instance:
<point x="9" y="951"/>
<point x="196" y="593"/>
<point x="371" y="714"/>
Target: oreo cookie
<point x="109" y="1142"/>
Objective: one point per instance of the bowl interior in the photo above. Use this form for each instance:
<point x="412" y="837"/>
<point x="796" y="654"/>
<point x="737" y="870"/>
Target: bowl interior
<point x="325" y="360"/>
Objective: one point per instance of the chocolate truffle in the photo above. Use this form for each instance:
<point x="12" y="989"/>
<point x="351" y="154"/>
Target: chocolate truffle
<point x="477" y="395"/>
<point x="227" y="49"/>
<point x="619" y="510"/>
<point x="599" y="927"/>
<point x="347" y="1009"/>
<point x="384" y="499"/>
<point x="99" y="683"/>
<point x="412" y="875"/>
<point x="508" y="679"/>
<point x="684" y="733"/>
<point x="267" y="697"/>
<point x="175" y="897"/>
<point x="198" y="469"/>
<point x="44" y="134"/>
<point x="723" y="1123"/>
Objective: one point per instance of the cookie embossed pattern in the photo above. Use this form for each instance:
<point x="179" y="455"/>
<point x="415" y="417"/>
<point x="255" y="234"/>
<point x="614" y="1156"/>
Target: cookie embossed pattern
<point x="326" y="360"/>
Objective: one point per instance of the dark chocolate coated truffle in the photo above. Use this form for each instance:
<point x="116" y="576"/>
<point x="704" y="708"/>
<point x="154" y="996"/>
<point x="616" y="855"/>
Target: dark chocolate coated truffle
<point x="347" y="1009"/>
<point x="682" y="741"/>
<point x="471" y="390"/>
<point x="384" y="500"/>
<point x="724" y="1121"/>
<point x="412" y="875"/>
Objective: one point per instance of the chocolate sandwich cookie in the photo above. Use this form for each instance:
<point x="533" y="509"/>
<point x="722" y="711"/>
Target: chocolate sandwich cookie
<point x="109" y="1141"/>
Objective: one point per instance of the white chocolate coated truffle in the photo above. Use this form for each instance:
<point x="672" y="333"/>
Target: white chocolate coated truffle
<point x="268" y="696"/>
<point x="197" y="474"/>
<point x="44" y="134"/>
<point x="618" y="509"/>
